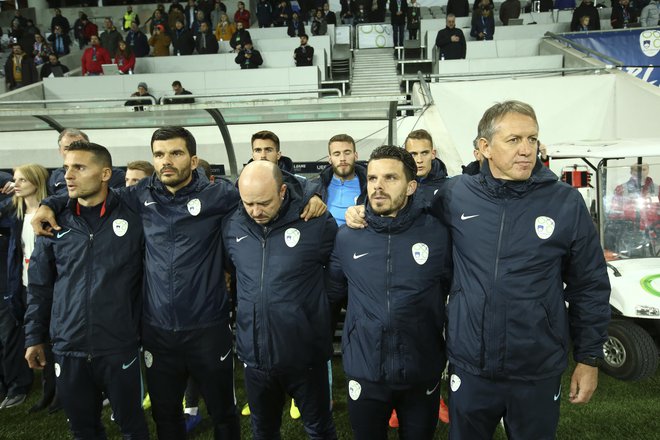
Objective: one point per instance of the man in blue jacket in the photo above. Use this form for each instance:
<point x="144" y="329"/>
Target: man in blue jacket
<point x="82" y="293"/>
<point x="431" y="171"/>
<point x="397" y="275"/>
<point x="279" y="261"/>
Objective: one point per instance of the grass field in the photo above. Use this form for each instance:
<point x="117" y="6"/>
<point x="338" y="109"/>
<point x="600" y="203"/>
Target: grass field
<point x="619" y="410"/>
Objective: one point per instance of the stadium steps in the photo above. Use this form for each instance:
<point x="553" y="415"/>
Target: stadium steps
<point x="374" y="73"/>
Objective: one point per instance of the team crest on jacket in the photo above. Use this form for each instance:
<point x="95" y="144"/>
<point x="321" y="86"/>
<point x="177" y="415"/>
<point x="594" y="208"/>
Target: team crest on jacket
<point x="544" y="227"/>
<point x="420" y="253"/>
<point x="291" y="237"/>
<point x="194" y="207"/>
<point x="58" y="369"/>
<point x="120" y="227"/>
<point x="354" y="389"/>
<point x="148" y="359"/>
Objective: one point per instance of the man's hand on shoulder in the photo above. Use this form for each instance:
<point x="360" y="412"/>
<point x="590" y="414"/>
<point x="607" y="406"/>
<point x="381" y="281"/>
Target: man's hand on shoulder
<point x="355" y="218"/>
<point x="44" y="222"/>
<point x="314" y="208"/>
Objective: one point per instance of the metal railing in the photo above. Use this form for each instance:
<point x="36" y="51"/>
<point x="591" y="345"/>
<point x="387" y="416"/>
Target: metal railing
<point x="588" y="51"/>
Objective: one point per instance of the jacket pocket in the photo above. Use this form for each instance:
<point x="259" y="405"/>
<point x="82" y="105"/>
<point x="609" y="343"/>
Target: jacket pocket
<point x="247" y="346"/>
<point x="363" y="350"/>
<point x="465" y="327"/>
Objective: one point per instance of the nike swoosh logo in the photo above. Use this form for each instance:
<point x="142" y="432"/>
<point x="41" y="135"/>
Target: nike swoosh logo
<point x="431" y="391"/>
<point x="62" y="234"/>
<point x="58" y="184"/>
<point x="222" y="358"/>
<point x="148" y="203"/>
<point x="5" y="297"/>
<point x="556" y="396"/>
<point x="238" y="239"/>
<point x="356" y="256"/>
<point x="126" y="366"/>
<point x="468" y="217"/>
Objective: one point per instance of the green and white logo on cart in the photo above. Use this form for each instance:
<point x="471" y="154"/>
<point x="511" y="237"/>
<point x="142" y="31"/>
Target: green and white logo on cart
<point x="651" y="284"/>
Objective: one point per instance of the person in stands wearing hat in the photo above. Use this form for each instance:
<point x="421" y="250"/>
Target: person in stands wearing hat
<point x="142" y="92"/>
<point x="160" y="41"/>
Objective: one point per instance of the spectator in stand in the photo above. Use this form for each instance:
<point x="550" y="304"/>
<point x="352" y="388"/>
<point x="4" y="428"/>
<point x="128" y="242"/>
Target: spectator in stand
<point x="398" y="11"/>
<point x="137" y="41"/>
<point x="264" y="14"/>
<point x="183" y="41"/>
<point x="78" y="27"/>
<point x="40" y="50"/>
<point x="129" y="17"/>
<point x="20" y="70"/>
<point x="216" y="14"/>
<point x="330" y="17"/>
<point x="163" y="13"/>
<point x="93" y="58"/>
<point x="650" y="15"/>
<point x="60" y="41"/>
<point x="199" y="19"/>
<point x="179" y="91"/>
<point x="175" y="15"/>
<point x="319" y="25"/>
<point x="160" y="41"/>
<point x="451" y="41"/>
<point x="483" y="23"/>
<point x="584" y="24"/>
<point x="18" y="34"/>
<point x="138" y="170"/>
<point x="22" y="21"/>
<point x="205" y="41"/>
<point x="125" y="58"/>
<point x="242" y="15"/>
<point x="53" y="67"/>
<point x="509" y="9"/>
<point x="304" y="54"/>
<point x="361" y="15"/>
<point x="175" y="5"/>
<point x="240" y="37"/>
<point x="248" y="57"/>
<point x="61" y="21"/>
<point x="156" y="20"/>
<point x="206" y="6"/>
<point x="191" y="13"/>
<point x="586" y="8"/>
<point x="110" y="37"/>
<point x="348" y="10"/>
<point x="623" y="15"/>
<point x="296" y="26"/>
<point x="142" y="92"/>
<point x="89" y="30"/>
<point x="460" y="8"/>
<point x="478" y="3"/>
<point x="225" y="29"/>
<point x="413" y="19"/>
<point x="282" y="14"/>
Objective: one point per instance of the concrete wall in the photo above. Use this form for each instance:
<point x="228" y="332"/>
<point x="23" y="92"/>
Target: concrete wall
<point x="502" y="64"/>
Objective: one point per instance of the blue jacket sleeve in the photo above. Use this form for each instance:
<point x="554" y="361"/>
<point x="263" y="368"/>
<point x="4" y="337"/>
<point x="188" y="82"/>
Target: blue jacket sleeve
<point x="41" y="275"/>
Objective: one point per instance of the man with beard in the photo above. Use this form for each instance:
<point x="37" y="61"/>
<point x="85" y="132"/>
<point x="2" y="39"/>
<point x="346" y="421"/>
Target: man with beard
<point x="94" y="58"/>
<point x="396" y="275"/>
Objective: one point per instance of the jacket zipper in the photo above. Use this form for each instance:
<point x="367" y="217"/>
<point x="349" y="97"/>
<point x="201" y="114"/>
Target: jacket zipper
<point x="88" y="300"/>
<point x="262" y="299"/>
<point x="389" y="310"/>
<point x="493" y="313"/>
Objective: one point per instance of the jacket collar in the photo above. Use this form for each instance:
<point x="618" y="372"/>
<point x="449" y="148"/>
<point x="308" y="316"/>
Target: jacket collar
<point x="403" y="220"/>
<point x="500" y="188"/>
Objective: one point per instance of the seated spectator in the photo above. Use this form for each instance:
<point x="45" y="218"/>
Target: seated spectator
<point x="93" y="58"/>
<point x="296" y="26"/>
<point x="413" y="16"/>
<point x="225" y="29"/>
<point x="40" y="50"/>
<point x="199" y="19"/>
<point x="183" y="41"/>
<point x="129" y="17"/>
<point x="60" y="21"/>
<point x="20" y="70"/>
<point x="110" y="37"/>
<point x="138" y="170"/>
<point x="179" y="91"/>
<point x="142" y="92"/>
<point x="584" y="23"/>
<point x="160" y="41"/>
<point x="264" y="14"/>
<point x="509" y="9"/>
<point x="282" y="14"/>
<point x="586" y="8"/>
<point x="650" y="15"/>
<point x="240" y="37"/>
<point x="451" y="41"/>
<point x="460" y="8"/>
<point x="330" y="17"/>
<point x="60" y="41"/>
<point x="125" y="58"/>
<point x="304" y="54"/>
<point x="53" y="68"/>
<point x="89" y="29"/>
<point x="219" y="9"/>
<point x="205" y="41"/>
<point x="623" y="15"/>
<point x="242" y="15"/>
<point x="319" y="25"/>
<point x="483" y="23"/>
<point x="137" y="41"/>
<point x="248" y="57"/>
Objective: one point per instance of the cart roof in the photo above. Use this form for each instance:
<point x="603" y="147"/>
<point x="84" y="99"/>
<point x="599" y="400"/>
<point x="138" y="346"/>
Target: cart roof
<point x="606" y="149"/>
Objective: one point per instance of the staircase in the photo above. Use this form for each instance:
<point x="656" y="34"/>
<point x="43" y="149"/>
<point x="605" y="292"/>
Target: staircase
<point x="374" y="73"/>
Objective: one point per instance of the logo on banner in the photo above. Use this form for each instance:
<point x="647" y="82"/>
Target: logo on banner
<point x="194" y="207"/>
<point x="649" y="42"/>
<point x="291" y="237"/>
<point x="420" y="253"/>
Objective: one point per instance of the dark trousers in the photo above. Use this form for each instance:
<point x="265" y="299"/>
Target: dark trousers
<point x="192" y="394"/>
<point x="267" y="392"/>
<point x="370" y="406"/>
<point x="397" y="33"/>
<point x="81" y="383"/>
<point x="206" y="355"/>
<point x="530" y="408"/>
<point x="17" y="375"/>
<point x="412" y="34"/>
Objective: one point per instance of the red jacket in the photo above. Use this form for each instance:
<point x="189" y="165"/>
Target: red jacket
<point x="89" y="65"/>
<point x="243" y="17"/>
<point x="125" y="63"/>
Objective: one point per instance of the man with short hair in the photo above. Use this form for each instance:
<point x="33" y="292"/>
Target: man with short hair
<point x="129" y="18"/>
<point x="110" y="37"/>
<point x="266" y="146"/>
<point x="61" y="21"/>
<point x="20" y="70"/>
<point x="248" y="57"/>
<point x="303" y="54"/>
<point x="287" y="303"/>
<point x="623" y="15"/>
<point x="94" y="57"/>
<point x="138" y="42"/>
<point x="473" y="167"/>
<point x="451" y="41"/>
<point x="205" y="41"/>
<point x="397" y="275"/>
<point x="183" y="40"/>
<point x="178" y="90"/>
<point x="431" y="171"/>
<point x="96" y="342"/>
<point x="138" y="170"/>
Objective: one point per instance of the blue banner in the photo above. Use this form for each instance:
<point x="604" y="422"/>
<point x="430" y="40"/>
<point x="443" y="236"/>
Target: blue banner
<point x="637" y="49"/>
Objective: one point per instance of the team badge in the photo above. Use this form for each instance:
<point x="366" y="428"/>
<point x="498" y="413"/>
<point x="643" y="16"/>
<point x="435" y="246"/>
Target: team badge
<point x="544" y="227"/>
<point x="194" y="207"/>
<point x="420" y="253"/>
<point x="354" y="389"/>
<point x="58" y="370"/>
<point x="148" y="359"/>
<point x="454" y="383"/>
<point x="120" y="227"/>
<point x="291" y="237"/>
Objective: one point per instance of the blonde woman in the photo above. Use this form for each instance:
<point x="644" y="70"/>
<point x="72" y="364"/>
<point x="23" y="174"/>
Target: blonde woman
<point x="225" y="29"/>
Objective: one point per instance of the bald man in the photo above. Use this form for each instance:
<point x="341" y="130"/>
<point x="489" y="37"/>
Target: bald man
<point x="286" y="302"/>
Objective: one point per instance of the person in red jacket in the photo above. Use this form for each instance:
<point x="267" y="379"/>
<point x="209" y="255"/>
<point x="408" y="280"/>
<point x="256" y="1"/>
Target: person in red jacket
<point x="93" y="58"/>
<point x="125" y="58"/>
<point x="88" y="29"/>
<point x="242" y="15"/>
